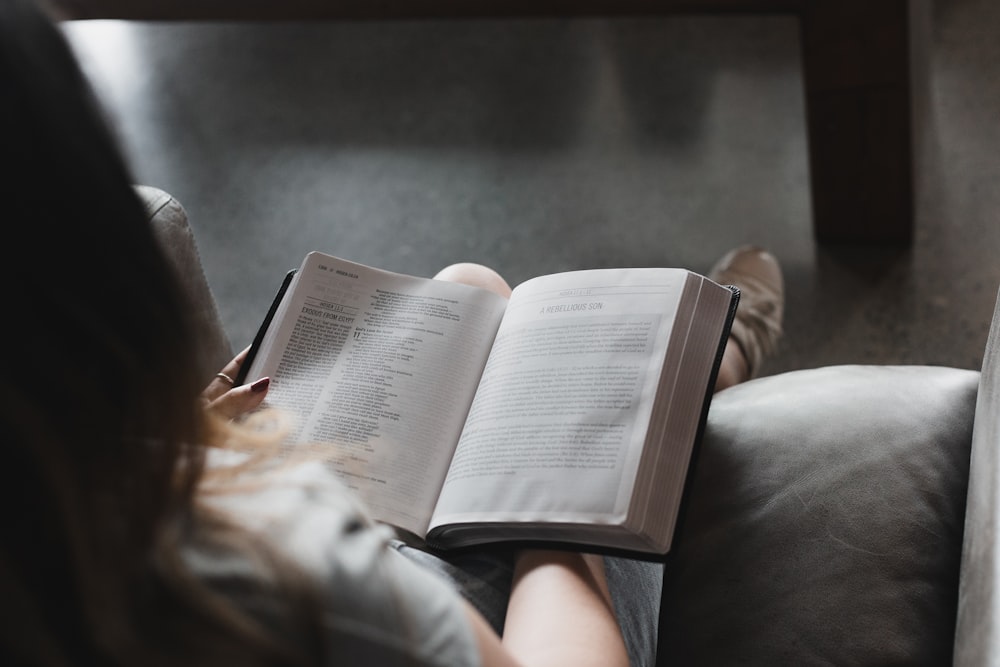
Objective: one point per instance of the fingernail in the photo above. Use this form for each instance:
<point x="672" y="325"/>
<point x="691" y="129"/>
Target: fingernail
<point x="260" y="385"/>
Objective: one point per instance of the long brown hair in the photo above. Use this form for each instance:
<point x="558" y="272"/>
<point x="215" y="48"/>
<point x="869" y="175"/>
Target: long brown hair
<point x="102" y="435"/>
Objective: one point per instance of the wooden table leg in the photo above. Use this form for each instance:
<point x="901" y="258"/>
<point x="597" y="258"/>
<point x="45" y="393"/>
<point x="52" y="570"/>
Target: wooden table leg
<point x="856" y="63"/>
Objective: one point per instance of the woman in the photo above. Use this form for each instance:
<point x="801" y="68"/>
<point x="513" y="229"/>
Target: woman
<point x="138" y="529"/>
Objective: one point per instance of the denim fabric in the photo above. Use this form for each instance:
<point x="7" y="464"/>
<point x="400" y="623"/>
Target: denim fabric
<point x="484" y="579"/>
<point x="635" y="592"/>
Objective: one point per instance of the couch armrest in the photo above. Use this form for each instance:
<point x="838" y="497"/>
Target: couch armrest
<point x="170" y="224"/>
<point x="977" y="633"/>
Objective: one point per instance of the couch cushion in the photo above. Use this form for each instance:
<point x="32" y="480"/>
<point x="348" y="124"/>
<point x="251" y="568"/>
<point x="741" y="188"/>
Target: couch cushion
<point x="824" y="525"/>
<point x="170" y="225"/>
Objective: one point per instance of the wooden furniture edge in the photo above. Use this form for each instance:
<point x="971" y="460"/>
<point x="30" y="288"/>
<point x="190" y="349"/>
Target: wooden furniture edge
<point x="856" y="74"/>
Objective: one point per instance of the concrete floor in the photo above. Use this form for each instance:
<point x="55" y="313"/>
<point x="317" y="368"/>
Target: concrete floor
<point x="540" y="146"/>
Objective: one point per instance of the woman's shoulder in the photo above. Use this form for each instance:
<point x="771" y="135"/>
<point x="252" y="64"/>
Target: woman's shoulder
<point x="301" y="507"/>
<point x="380" y="607"/>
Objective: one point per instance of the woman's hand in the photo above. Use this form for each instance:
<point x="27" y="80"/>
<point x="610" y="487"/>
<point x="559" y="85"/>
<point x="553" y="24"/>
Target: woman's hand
<point x="229" y="401"/>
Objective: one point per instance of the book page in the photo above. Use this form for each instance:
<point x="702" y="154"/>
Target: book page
<point x="561" y="413"/>
<point x="380" y="370"/>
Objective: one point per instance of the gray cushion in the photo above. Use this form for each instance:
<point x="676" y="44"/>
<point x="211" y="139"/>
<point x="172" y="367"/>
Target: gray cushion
<point x="824" y="525"/>
<point x="170" y="225"/>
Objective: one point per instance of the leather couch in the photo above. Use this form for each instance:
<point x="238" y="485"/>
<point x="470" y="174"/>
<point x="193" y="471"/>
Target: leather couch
<point x="844" y="515"/>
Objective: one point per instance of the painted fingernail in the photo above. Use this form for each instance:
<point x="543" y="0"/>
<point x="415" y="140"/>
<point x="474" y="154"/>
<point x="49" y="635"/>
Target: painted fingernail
<point x="260" y="385"/>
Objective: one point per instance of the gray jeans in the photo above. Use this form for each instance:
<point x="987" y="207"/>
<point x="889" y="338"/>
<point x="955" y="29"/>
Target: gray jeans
<point x="484" y="579"/>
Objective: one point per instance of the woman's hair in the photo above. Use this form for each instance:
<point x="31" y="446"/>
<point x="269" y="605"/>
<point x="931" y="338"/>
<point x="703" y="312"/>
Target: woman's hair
<point x="102" y="432"/>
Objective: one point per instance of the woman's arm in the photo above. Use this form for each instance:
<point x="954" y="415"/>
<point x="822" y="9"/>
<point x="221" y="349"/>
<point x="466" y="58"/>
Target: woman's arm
<point x="559" y="613"/>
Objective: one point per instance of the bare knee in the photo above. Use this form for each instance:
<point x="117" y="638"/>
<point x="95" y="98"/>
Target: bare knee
<point x="476" y="275"/>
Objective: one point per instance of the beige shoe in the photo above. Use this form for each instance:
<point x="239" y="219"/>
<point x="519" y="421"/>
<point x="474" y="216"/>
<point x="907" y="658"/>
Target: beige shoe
<point x="757" y="326"/>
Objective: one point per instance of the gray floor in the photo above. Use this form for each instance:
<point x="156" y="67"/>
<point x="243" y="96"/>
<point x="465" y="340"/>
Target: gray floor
<point x="540" y="146"/>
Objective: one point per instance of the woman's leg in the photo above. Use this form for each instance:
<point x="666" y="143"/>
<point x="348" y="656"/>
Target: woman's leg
<point x="485" y="578"/>
<point x="635" y="585"/>
<point x="758" y="324"/>
<point x="734" y="368"/>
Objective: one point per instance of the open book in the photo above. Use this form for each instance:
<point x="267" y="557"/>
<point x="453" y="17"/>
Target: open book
<point x="568" y="415"/>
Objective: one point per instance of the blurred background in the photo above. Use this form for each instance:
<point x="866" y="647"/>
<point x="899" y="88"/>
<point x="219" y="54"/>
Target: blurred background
<point x="544" y="145"/>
